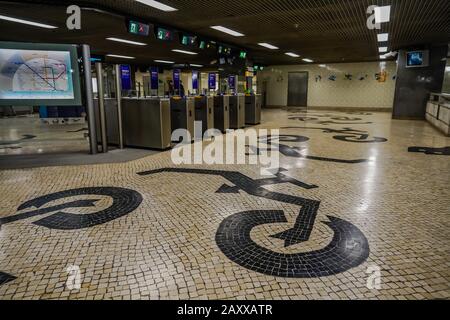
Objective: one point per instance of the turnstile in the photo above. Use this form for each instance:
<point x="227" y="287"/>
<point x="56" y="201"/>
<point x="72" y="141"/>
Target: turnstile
<point x="183" y="114"/>
<point x="237" y="111"/>
<point x="112" y="121"/>
<point x="253" y="109"/>
<point x="222" y="113"/>
<point x="146" y="123"/>
<point x="204" y="112"/>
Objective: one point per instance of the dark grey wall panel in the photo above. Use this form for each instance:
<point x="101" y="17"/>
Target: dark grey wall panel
<point x="298" y="89"/>
<point x="414" y="85"/>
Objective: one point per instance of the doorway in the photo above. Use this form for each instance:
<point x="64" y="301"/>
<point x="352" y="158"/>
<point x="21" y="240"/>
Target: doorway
<point x="298" y="89"/>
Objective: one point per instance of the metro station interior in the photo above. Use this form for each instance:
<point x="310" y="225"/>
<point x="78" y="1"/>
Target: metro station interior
<point x="209" y="150"/>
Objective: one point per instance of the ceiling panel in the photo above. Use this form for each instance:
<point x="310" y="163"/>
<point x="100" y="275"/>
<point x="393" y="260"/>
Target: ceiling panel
<point x="323" y="30"/>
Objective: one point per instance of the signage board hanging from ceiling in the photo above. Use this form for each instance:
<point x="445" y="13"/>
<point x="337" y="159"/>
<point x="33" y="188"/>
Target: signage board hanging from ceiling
<point x="138" y="28"/>
<point x="164" y="34"/>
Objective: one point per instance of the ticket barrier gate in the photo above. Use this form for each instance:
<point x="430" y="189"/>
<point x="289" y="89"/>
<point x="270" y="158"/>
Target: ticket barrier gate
<point x="222" y="112"/>
<point x="146" y="123"/>
<point x="253" y="109"/>
<point x="204" y="112"/>
<point x="182" y="112"/>
<point x="112" y="121"/>
<point x="237" y="111"/>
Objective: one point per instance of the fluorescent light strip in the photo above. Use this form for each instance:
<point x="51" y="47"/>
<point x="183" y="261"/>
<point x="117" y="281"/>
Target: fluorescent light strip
<point x="322" y="65"/>
<point x="291" y="54"/>
<point x="227" y="31"/>
<point x="157" y="5"/>
<point x="196" y="65"/>
<point x="383" y="37"/>
<point x="119" y="56"/>
<point x="184" y="51"/>
<point x="382" y="14"/>
<point x="268" y="45"/>
<point x="307" y="60"/>
<point x="383" y="57"/>
<point x="382" y="49"/>
<point x="31" y="23"/>
<point x="126" y="41"/>
<point x="164" y="61"/>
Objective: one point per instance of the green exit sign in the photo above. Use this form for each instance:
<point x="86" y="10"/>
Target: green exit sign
<point x="243" y="55"/>
<point x="164" y="34"/>
<point x="138" y="28"/>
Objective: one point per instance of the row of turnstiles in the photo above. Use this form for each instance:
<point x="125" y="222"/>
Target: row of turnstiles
<point x="149" y="122"/>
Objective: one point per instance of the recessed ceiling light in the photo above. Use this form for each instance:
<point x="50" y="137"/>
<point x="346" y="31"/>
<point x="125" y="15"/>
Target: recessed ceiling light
<point x="119" y="56"/>
<point x="227" y="31"/>
<point x="307" y="60"/>
<point x="291" y="54"/>
<point x="164" y="61"/>
<point x="383" y="57"/>
<point x="157" y="5"/>
<point x="196" y="65"/>
<point x="126" y="41"/>
<point x="31" y="23"/>
<point x="382" y="14"/>
<point x="383" y="37"/>
<point x="322" y="65"/>
<point x="383" y="49"/>
<point x="184" y="51"/>
<point x="267" y="45"/>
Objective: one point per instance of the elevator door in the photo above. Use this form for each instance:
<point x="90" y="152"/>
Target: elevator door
<point x="298" y="89"/>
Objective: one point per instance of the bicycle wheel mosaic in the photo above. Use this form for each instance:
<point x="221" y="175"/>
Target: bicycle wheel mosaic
<point x="318" y="229"/>
<point x="348" y="248"/>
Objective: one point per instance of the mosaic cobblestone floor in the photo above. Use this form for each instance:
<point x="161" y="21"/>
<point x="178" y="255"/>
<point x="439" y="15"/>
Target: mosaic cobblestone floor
<point x="352" y="199"/>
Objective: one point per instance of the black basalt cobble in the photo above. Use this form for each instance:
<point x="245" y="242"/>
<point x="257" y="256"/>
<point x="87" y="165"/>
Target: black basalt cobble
<point x="445" y="151"/>
<point x="348" y="249"/>
<point x="124" y="202"/>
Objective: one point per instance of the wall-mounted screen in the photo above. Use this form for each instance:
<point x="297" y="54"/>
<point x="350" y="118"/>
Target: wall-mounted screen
<point x="39" y="74"/>
<point x="417" y="59"/>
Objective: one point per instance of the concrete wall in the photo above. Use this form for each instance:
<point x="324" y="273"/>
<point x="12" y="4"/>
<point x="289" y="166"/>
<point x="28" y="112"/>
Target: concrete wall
<point x="368" y="93"/>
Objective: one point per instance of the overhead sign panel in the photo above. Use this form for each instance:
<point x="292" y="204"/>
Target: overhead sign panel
<point x="164" y="34"/>
<point x="138" y="28"/>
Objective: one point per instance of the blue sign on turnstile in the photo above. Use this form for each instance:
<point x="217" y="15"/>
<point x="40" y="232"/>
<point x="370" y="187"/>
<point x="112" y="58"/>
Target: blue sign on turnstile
<point x="212" y="81"/>
<point x="154" y="78"/>
<point x="195" y="80"/>
<point x="232" y="82"/>
<point x="176" y="80"/>
<point x="125" y="74"/>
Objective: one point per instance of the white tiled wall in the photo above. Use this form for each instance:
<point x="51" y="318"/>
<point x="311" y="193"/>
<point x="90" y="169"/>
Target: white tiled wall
<point x="368" y="93"/>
